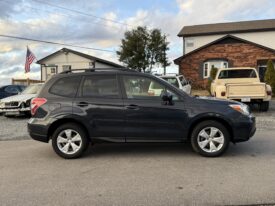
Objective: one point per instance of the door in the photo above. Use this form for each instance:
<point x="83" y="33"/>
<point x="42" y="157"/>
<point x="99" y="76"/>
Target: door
<point x="101" y="104"/>
<point x="148" y="118"/>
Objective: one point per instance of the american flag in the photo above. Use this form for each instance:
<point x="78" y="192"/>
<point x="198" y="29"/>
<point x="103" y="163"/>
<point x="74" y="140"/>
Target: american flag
<point x="29" y="59"/>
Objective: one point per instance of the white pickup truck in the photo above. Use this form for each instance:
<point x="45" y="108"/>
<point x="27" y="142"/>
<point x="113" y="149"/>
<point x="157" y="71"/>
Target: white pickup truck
<point x="241" y="84"/>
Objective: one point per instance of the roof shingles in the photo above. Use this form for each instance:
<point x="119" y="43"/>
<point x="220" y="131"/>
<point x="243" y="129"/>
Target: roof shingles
<point x="226" y="28"/>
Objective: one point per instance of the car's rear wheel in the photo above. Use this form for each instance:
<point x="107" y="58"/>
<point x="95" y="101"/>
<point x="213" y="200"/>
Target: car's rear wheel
<point x="69" y="141"/>
<point x="210" y="138"/>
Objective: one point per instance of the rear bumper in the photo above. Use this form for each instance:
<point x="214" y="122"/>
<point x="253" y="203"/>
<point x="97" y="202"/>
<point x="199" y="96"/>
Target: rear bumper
<point x="37" y="131"/>
<point x="244" y="129"/>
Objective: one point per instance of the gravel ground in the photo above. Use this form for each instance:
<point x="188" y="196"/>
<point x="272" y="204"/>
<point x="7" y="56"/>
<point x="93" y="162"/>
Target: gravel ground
<point x="16" y="128"/>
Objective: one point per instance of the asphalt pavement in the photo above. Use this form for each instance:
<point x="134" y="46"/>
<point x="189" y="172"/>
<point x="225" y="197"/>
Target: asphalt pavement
<point x="138" y="174"/>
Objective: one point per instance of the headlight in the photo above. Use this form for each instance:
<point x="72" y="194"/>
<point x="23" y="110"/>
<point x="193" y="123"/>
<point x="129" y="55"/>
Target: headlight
<point x="244" y="109"/>
<point x="2" y="104"/>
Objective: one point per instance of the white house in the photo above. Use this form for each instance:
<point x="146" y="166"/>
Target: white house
<point x="223" y="45"/>
<point x="67" y="59"/>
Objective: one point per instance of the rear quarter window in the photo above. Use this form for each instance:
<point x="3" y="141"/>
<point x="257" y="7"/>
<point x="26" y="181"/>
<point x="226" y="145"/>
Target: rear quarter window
<point x="66" y="86"/>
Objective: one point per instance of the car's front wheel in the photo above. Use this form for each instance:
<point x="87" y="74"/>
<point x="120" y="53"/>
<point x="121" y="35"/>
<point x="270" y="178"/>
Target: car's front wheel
<point x="69" y="141"/>
<point x="210" y="138"/>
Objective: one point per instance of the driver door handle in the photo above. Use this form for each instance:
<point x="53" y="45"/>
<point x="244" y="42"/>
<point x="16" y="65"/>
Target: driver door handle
<point x="132" y="106"/>
<point x="82" y="104"/>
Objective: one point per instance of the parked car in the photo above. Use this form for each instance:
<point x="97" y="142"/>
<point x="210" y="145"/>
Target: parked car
<point x="241" y="84"/>
<point x="116" y="105"/>
<point x="178" y="81"/>
<point x="19" y="104"/>
<point x="9" y="90"/>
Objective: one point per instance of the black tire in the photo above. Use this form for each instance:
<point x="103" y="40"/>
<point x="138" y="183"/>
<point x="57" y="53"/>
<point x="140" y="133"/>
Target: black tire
<point x="76" y="128"/>
<point x="264" y="106"/>
<point x="205" y="125"/>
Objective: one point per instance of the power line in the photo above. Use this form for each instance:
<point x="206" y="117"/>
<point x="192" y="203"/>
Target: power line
<point x="61" y="14"/>
<point x="56" y="43"/>
<point x="82" y="13"/>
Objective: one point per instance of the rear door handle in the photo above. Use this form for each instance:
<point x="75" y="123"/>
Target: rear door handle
<point x="132" y="106"/>
<point x="82" y="104"/>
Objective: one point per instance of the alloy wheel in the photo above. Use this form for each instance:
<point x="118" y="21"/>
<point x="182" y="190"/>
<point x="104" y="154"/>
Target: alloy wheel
<point x="210" y="139"/>
<point x="69" y="141"/>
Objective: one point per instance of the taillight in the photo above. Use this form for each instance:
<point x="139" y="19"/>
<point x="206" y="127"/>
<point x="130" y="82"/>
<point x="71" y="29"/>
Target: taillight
<point x="223" y="94"/>
<point x="269" y="93"/>
<point x="36" y="103"/>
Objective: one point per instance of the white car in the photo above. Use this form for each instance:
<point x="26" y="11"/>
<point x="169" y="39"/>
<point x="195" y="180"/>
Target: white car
<point x="178" y="81"/>
<point x="19" y="104"/>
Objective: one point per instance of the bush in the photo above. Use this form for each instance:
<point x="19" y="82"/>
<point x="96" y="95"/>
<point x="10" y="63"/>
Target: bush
<point x="213" y="74"/>
<point x="269" y="77"/>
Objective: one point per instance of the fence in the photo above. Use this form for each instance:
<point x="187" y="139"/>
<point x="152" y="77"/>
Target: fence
<point x="25" y="82"/>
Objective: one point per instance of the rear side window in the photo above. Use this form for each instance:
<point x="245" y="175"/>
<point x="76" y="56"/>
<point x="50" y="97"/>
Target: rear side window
<point x="66" y="87"/>
<point x="100" y="86"/>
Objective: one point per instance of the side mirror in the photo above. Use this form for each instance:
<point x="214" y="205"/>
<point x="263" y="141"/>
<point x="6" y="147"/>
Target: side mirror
<point x="167" y="98"/>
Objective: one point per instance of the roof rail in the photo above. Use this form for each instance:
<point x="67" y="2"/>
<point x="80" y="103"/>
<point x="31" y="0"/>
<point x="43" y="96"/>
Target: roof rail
<point x="97" y="69"/>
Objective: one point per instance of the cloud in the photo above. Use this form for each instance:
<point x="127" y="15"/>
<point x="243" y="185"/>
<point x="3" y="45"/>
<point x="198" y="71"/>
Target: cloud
<point x="7" y="8"/>
<point x="53" y="24"/>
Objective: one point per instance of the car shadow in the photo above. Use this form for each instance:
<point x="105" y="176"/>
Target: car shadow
<point x="171" y="150"/>
<point x="139" y="149"/>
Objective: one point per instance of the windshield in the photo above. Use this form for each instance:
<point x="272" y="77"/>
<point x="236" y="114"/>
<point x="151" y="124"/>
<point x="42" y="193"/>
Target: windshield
<point x="32" y="89"/>
<point x="172" y="80"/>
<point x="240" y="73"/>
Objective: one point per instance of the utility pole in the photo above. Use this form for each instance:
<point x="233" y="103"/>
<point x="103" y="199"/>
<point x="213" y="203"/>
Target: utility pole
<point x="164" y="53"/>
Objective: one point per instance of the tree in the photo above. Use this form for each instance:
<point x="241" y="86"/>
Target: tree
<point x="269" y="77"/>
<point x="213" y="74"/>
<point x="142" y="49"/>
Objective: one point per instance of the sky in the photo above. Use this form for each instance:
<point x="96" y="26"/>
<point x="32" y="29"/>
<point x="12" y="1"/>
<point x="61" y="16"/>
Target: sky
<point x="105" y="25"/>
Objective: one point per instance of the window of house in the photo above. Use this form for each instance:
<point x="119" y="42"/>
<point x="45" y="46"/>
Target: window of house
<point x="53" y="70"/>
<point x="66" y="68"/>
<point x="92" y="65"/>
<point x="189" y="42"/>
<point x="213" y="63"/>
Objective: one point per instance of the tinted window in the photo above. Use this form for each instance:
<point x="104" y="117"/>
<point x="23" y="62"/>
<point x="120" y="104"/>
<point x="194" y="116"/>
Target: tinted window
<point x="11" y="89"/>
<point x="66" y="86"/>
<point x="100" y="86"/>
<point x="240" y="73"/>
<point x="137" y="87"/>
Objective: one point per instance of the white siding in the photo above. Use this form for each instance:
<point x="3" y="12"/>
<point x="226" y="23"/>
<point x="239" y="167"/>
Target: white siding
<point x="60" y="59"/>
<point x="263" y="38"/>
<point x="101" y="65"/>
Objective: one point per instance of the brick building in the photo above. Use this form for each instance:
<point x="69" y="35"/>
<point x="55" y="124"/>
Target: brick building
<point x="238" y="44"/>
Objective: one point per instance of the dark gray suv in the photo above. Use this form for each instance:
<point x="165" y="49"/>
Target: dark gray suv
<point x="74" y="109"/>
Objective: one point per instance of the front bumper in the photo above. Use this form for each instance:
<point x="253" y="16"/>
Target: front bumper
<point x="244" y="128"/>
<point x="15" y="111"/>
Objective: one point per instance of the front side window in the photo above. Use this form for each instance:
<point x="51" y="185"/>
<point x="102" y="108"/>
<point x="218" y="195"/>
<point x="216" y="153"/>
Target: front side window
<point x="137" y="87"/>
<point x="100" y="86"/>
<point x="66" y="86"/>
